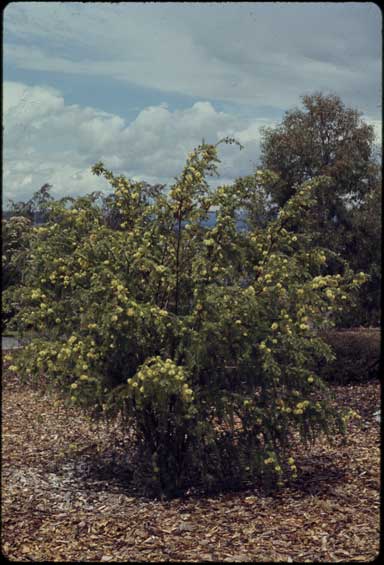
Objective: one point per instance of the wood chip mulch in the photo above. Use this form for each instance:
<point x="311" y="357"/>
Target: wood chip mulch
<point x="64" y="498"/>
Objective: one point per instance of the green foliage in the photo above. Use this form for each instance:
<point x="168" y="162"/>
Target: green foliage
<point x="16" y="228"/>
<point x="326" y="138"/>
<point x="204" y="339"/>
<point x="15" y="238"/>
<point x="363" y="250"/>
<point x="15" y="234"/>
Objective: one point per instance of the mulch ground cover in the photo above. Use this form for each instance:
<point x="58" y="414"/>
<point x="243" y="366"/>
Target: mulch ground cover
<point x="64" y="497"/>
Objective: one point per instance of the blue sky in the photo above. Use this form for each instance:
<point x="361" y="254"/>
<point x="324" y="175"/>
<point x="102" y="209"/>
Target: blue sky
<point x="138" y="85"/>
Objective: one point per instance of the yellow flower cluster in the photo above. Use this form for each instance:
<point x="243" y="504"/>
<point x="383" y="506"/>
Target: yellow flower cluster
<point x="291" y="463"/>
<point x="157" y="376"/>
<point x="195" y="172"/>
<point x="249" y="291"/>
<point x="351" y="414"/>
<point x="35" y="294"/>
<point x="160" y="269"/>
<point x="301" y="407"/>
<point x="263" y="346"/>
<point x="319" y="282"/>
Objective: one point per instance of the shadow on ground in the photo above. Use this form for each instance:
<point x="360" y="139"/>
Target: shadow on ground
<point x="318" y="476"/>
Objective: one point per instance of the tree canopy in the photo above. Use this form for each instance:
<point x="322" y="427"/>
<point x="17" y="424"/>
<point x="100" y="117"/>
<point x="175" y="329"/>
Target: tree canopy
<point x="327" y="138"/>
<point x="324" y="138"/>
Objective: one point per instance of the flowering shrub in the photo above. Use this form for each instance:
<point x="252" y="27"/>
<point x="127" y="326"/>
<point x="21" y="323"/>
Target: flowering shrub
<point x="203" y="338"/>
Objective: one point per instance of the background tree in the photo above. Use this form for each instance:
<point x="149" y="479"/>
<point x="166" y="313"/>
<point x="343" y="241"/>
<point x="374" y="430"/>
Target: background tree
<point x="14" y="244"/>
<point x="35" y="209"/>
<point x="363" y="248"/>
<point x="326" y="138"/>
<point x="16" y="231"/>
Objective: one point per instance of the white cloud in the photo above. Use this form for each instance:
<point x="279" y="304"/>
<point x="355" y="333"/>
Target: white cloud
<point x="256" y="54"/>
<point x="249" y="53"/>
<point x="46" y="140"/>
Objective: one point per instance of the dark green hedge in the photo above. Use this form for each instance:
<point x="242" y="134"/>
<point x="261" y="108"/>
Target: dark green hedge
<point x="357" y="355"/>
